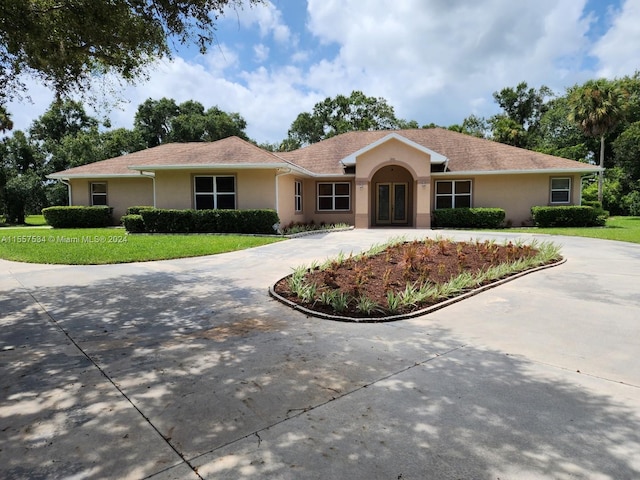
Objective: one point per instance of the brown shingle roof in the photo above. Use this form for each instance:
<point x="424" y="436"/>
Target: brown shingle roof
<point x="228" y="151"/>
<point x="464" y="152"/>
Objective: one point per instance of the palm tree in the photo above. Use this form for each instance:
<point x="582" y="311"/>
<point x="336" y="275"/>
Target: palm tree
<point x="597" y="108"/>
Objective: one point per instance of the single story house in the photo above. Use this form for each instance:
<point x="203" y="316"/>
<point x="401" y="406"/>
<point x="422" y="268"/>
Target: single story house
<point x="366" y="179"/>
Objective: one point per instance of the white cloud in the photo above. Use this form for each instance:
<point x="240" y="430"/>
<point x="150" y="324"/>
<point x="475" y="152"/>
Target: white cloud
<point x="261" y="52"/>
<point x="269" y="21"/>
<point x="433" y="61"/>
<point x="618" y="51"/>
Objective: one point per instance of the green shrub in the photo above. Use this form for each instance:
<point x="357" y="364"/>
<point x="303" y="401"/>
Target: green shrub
<point x="568" y="216"/>
<point x="259" y="221"/>
<point x="168" y="220"/>
<point x="209" y="221"/>
<point x="78" y="217"/>
<point x="136" y="209"/>
<point x="632" y="203"/>
<point x="133" y="223"/>
<point x="597" y="206"/>
<point x="469" y="217"/>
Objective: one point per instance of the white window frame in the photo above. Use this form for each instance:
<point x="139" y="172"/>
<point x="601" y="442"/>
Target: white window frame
<point x="98" y="194"/>
<point x="566" y="190"/>
<point x="333" y="196"/>
<point x="453" y="195"/>
<point x="297" y="196"/>
<point x="215" y="194"/>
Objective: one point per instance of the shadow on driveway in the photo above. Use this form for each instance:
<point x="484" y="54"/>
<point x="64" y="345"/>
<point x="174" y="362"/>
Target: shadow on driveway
<point x="163" y="375"/>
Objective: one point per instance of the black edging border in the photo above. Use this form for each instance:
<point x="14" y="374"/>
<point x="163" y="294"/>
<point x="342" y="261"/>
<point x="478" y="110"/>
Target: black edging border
<point x="405" y="316"/>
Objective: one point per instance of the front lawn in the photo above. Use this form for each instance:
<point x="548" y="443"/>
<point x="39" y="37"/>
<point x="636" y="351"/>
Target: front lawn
<point x="30" y="221"/>
<point x="96" y="246"/>
<point x="624" y="229"/>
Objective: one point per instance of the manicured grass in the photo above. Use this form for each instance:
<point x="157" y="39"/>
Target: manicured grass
<point x="30" y="221"/>
<point x="94" y="246"/>
<point x="35" y="220"/>
<point x="624" y="229"/>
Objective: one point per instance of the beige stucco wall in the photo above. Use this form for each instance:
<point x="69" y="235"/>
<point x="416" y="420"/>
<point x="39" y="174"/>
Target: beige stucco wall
<point x="286" y="203"/>
<point x="254" y="188"/>
<point x="311" y="213"/>
<point x="515" y="193"/>
<point x="385" y="157"/>
<point x="174" y="189"/>
<point x="121" y="193"/>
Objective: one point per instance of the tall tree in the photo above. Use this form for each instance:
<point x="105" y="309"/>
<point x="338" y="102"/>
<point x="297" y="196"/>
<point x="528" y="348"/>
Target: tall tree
<point x="627" y="154"/>
<point x="341" y="114"/>
<point x="21" y="170"/>
<point x="64" y="44"/>
<point x="5" y="120"/>
<point x="597" y="108"/>
<point x="63" y="119"/>
<point x="153" y="120"/>
<point x="561" y="137"/>
<point x="522" y="109"/>
<point x="163" y="121"/>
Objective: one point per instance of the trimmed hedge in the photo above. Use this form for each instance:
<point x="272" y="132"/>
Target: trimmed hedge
<point x="568" y="216"/>
<point x="133" y="223"/>
<point x="78" y="217"/>
<point x="136" y="210"/>
<point x="155" y="220"/>
<point x="469" y="217"/>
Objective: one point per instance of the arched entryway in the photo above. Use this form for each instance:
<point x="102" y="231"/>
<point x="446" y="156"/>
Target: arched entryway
<point x="392" y="194"/>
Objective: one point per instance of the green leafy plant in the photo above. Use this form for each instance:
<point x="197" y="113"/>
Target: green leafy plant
<point x="366" y="306"/>
<point x="394" y="301"/>
<point x="340" y="301"/>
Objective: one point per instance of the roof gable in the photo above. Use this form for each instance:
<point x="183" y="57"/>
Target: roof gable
<point x="436" y="157"/>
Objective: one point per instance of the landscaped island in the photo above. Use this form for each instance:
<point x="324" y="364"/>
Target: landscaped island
<point x="401" y="278"/>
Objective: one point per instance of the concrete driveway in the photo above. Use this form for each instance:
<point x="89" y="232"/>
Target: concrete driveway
<point x="187" y="369"/>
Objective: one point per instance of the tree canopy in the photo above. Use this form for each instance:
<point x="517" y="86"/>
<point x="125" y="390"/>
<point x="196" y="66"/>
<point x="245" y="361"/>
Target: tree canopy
<point x="342" y="114"/>
<point x="66" y="136"/>
<point x="63" y="44"/>
<point x="163" y="121"/>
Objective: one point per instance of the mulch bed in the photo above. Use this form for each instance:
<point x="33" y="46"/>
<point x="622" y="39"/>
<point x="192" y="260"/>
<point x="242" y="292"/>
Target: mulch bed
<point x="434" y="261"/>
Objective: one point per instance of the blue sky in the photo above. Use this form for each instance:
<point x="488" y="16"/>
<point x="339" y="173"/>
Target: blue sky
<point x="432" y="60"/>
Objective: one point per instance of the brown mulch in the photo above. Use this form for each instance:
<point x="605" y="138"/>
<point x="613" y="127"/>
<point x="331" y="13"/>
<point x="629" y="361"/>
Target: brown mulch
<point x="434" y="261"/>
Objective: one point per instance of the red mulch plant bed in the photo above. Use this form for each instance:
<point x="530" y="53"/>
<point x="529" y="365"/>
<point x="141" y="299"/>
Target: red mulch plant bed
<point x="398" y="265"/>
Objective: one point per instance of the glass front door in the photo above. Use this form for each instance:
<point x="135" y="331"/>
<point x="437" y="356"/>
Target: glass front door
<point x="391" y="203"/>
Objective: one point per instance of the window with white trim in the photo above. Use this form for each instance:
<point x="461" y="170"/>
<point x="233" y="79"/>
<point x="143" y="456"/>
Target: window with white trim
<point x="99" y="193"/>
<point x="297" y="195"/>
<point x="560" y="190"/>
<point x="453" y="193"/>
<point x="335" y="196"/>
<point x="214" y="192"/>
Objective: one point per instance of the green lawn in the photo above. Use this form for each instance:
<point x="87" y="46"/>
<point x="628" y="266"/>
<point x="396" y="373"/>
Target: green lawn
<point x="30" y="220"/>
<point x="624" y="229"/>
<point x="94" y="246"/>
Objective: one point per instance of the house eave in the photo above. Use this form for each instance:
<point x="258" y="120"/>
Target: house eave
<point x="72" y="176"/>
<point x="222" y="166"/>
<point x="551" y="171"/>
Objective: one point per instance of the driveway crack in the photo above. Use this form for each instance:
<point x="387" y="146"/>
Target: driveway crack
<point x="105" y="375"/>
<point x="297" y="412"/>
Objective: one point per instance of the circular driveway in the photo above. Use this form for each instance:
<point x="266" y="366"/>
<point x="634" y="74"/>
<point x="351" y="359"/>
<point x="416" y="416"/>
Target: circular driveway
<point x="187" y="369"/>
